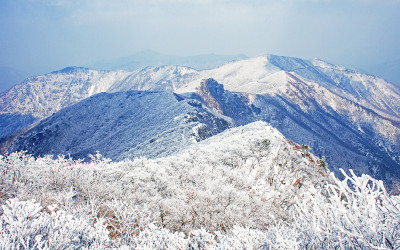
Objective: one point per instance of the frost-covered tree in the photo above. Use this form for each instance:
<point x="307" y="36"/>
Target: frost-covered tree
<point x="248" y="187"/>
<point x="25" y="225"/>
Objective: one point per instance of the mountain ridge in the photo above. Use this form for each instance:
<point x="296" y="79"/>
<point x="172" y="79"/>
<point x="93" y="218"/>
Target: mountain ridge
<point x="350" y="118"/>
<point x="132" y="123"/>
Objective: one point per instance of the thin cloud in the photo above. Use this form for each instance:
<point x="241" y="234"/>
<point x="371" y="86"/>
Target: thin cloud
<point x="64" y="32"/>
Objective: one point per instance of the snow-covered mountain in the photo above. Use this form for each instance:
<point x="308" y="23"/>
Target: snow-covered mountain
<point x="351" y="119"/>
<point x="38" y="97"/>
<point x="335" y="136"/>
<point x="44" y="95"/>
<point x="123" y="125"/>
<point x="168" y="78"/>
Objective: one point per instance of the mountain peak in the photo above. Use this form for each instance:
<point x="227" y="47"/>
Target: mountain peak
<point x="288" y="63"/>
<point x="212" y="86"/>
<point x="71" y="70"/>
<point x="210" y="90"/>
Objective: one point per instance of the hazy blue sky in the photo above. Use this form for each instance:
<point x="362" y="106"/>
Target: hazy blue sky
<point x="44" y="35"/>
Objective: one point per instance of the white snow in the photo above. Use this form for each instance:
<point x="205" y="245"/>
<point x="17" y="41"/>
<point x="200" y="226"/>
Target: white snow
<point x="247" y="187"/>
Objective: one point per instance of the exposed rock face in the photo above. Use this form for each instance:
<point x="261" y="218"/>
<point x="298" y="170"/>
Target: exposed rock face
<point x="234" y="105"/>
<point x="208" y="91"/>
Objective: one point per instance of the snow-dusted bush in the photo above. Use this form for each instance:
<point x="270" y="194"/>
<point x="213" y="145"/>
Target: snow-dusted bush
<point x="355" y="212"/>
<point x="245" y="188"/>
<point x="25" y="225"/>
<point x="232" y="179"/>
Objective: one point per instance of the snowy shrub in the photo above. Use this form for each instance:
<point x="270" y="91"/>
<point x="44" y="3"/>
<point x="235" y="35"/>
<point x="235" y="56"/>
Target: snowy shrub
<point x="283" y="236"/>
<point x="241" y="238"/>
<point x="24" y="225"/>
<point x="156" y="238"/>
<point x="245" y="188"/>
<point x="355" y="212"/>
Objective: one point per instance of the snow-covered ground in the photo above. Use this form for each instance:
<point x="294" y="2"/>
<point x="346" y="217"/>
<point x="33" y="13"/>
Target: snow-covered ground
<point x="245" y="188"/>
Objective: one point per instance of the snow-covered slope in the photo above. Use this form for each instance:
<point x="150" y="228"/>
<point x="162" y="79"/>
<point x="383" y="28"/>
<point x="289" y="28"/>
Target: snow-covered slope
<point x="123" y="125"/>
<point x="250" y="175"/>
<point x="350" y="118"/>
<point x="245" y="188"/>
<point x="276" y="75"/>
<point x="38" y="97"/>
<point x="167" y="78"/>
<point x="44" y="95"/>
<point x="344" y="143"/>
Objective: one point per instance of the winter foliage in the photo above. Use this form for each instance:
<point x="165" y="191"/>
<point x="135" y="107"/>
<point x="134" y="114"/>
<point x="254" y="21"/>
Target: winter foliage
<point x="245" y="188"/>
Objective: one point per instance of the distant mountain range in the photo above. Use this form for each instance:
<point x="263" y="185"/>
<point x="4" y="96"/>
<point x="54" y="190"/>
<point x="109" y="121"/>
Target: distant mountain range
<point x="10" y="76"/>
<point x="388" y="70"/>
<point x="350" y="119"/>
<point x="151" y="58"/>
